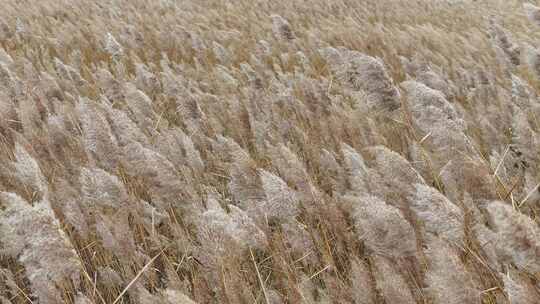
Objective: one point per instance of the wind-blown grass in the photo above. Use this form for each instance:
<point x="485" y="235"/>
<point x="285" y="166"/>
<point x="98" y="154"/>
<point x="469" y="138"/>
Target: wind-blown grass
<point x="375" y="151"/>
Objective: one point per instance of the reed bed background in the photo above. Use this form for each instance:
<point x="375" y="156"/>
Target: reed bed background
<point x="214" y="151"/>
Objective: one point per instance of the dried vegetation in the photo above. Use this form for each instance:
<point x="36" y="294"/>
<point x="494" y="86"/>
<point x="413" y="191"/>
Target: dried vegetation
<point x="376" y="151"/>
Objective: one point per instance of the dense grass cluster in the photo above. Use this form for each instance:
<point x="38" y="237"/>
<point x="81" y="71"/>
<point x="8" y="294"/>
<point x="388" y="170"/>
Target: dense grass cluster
<point x="215" y="151"/>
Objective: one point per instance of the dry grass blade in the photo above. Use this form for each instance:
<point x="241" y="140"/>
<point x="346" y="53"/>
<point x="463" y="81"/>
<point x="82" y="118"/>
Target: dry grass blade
<point x="261" y="282"/>
<point x="529" y="194"/>
<point x="501" y="161"/>
<point x="137" y="277"/>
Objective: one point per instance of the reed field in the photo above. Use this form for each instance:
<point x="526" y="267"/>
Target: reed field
<point x="273" y="152"/>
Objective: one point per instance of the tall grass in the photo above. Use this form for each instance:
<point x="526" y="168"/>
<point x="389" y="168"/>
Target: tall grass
<point x="375" y="151"/>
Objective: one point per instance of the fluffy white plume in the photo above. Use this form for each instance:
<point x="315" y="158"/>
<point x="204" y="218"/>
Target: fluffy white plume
<point x="449" y="281"/>
<point x="503" y="41"/>
<point x="364" y="73"/>
<point x="281" y="201"/>
<point x="218" y="228"/>
<point x="533" y="60"/>
<point x="175" y="296"/>
<point x="281" y="28"/>
<point x="102" y="190"/>
<point x="521" y="93"/>
<point x="533" y="13"/>
<point x="357" y="171"/>
<point x="160" y="177"/>
<point x="390" y="283"/>
<point x="363" y="291"/>
<point x="520" y="290"/>
<point x="32" y="236"/>
<point x="112" y="46"/>
<point x="27" y="170"/>
<point x="439" y="216"/>
<point x="430" y="108"/>
<point x="383" y="228"/>
<point x="513" y="238"/>
<point x="98" y="141"/>
<point x="395" y="176"/>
